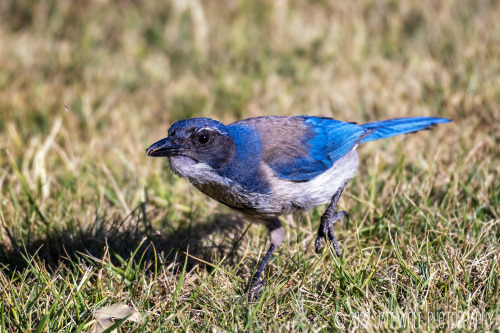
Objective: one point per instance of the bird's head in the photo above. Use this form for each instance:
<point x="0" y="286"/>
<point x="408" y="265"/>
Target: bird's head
<point x="193" y="143"/>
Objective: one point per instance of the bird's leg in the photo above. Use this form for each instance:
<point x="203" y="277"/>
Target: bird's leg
<point x="277" y="235"/>
<point x="328" y="218"/>
<point x="256" y="284"/>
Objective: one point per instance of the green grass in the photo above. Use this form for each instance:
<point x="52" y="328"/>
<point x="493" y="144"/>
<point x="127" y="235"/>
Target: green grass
<point x="88" y="220"/>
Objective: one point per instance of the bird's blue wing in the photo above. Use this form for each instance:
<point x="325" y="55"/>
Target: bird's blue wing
<point x="327" y="140"/>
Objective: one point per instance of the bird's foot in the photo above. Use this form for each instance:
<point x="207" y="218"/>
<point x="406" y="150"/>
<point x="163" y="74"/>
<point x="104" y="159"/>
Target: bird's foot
<point x="254" y="289"/>
<point x="326" y="230"/>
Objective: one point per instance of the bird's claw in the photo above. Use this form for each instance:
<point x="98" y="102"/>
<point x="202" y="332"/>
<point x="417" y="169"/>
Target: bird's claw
<point x="255" y="288"/>
<point x="333" y="241"/>
<point x="329" y="234"/>
<point x="318" y="244"/>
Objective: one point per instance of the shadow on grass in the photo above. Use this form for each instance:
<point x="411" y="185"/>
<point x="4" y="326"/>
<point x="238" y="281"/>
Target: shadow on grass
<point x="122" y="237"/>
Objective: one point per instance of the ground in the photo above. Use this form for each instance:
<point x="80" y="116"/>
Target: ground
<point x="87" y="220"/>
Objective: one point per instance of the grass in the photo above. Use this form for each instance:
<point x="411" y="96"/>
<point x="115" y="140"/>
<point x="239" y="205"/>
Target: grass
<point x="87" y="220"/>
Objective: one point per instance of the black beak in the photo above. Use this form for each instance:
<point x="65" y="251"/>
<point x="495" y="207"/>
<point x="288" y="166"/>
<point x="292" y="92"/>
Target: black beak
<point x="164" y="147"/>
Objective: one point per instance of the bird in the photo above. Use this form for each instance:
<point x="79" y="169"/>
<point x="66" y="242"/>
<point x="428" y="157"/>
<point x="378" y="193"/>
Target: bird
<point x="269" y="166"/>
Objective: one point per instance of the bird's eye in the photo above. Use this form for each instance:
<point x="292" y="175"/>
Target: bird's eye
<point x="203" y="138"/>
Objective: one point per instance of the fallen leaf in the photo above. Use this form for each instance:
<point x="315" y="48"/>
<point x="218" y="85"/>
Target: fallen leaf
<point x="104" y="316"/>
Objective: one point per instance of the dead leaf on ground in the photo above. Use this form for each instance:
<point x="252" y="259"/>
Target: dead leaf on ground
<point x="104" y="316"/>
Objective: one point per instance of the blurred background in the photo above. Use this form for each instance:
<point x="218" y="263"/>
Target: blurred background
<point x="126" y="70"/>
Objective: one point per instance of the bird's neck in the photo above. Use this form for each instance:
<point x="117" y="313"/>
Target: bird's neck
<point x="244" y="167"/>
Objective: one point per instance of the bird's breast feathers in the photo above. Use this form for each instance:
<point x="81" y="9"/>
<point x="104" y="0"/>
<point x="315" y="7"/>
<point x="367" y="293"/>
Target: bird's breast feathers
<point x="282" y="197"/>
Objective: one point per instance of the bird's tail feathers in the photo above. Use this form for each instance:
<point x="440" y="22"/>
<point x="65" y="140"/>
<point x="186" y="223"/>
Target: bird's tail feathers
<point x="392" y="127"/>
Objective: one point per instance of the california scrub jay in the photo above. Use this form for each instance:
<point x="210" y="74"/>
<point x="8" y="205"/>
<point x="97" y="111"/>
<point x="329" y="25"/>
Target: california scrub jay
<point x="269" y="166"/>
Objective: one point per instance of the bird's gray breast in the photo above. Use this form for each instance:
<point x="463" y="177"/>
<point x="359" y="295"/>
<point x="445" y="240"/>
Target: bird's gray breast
<point x="218" y="187"/>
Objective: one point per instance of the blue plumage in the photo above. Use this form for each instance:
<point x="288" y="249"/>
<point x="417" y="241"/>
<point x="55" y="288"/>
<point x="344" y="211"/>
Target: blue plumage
<point x="329" y="140"/>
<point x="392" y="127"/>
<point x="265" y="167"/>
